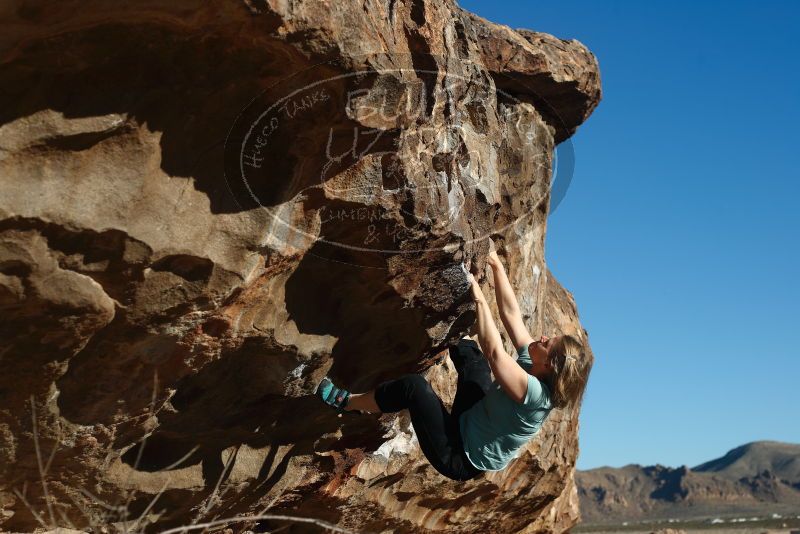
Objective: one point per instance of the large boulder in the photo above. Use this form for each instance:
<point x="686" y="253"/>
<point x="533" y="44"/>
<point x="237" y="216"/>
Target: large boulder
<point x="206" y="206"/>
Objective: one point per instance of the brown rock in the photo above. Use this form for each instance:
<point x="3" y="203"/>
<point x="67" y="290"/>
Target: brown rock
<point x="206" y="206"/>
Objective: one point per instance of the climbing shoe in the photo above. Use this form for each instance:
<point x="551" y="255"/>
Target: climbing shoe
<point x="331" y="395"/>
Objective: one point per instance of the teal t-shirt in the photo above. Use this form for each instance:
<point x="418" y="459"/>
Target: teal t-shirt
<point x="496" y="427"/>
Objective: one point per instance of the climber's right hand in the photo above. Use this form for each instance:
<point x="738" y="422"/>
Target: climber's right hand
<point x="470" y="266"/>
<point x="492" y="259"/>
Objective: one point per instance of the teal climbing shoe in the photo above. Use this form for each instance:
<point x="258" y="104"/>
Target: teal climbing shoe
<point x="331" y="395"/>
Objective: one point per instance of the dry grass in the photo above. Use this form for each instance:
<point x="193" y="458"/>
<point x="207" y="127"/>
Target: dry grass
<point x="115" y="518"/>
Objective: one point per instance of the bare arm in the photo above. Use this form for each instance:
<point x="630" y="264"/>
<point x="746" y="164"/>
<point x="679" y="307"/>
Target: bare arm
<point x="507" y="305"/>
<point x="511" y="377"/>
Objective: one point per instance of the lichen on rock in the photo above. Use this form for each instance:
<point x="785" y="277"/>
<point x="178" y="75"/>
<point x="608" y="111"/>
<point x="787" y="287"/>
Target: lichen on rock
<point x="206" y="206"/>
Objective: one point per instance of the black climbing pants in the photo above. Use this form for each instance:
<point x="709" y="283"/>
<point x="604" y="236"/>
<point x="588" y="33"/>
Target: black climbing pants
<point x="437" y="429"/>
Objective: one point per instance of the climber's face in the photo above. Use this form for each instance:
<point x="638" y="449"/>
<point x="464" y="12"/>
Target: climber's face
<point x="539" y="351"/>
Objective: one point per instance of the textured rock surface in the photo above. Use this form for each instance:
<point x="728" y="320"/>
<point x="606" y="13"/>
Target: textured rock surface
<point x="172" y="287"/>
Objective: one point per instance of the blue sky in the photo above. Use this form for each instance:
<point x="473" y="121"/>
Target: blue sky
<point x="678" y="235"/>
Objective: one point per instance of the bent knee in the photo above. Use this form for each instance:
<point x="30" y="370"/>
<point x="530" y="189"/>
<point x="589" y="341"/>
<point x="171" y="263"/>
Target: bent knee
<point x="417" y="382"/>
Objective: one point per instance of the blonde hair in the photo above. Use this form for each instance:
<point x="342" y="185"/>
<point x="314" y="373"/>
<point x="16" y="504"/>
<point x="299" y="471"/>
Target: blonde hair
<point x="570" y="370"/>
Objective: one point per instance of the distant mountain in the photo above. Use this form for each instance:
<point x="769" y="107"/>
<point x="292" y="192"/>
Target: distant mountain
<point x="781" y="459"/>
<point x="757" y="478"/>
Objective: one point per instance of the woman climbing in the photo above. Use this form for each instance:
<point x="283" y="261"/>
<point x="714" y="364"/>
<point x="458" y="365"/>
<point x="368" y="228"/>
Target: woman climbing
<point x="490" y="420"/>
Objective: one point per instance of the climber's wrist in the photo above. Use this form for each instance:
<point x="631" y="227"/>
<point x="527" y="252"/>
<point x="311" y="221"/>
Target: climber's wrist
<point x="477" y="293"/>
<point x="479" y="299"/>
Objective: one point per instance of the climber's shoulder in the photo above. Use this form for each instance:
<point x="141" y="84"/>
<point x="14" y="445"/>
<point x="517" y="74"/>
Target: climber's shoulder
<point x="522" y="341"/>
<point x="517" y="331"/>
